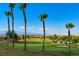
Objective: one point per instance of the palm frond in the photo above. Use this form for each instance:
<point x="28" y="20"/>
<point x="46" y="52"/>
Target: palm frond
<point x="23" y="6"/>
<point x="8" y="13"/>
<point x="43" y="16"/>
<point x="69" y="25"/>
<point x="11" y="5"/>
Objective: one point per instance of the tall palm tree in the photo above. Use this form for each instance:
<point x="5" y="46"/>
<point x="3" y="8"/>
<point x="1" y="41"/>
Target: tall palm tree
<point x="11" y="6"/>
<point x="8" y="14"/>
<point x="42" y="18"/>
<point x="23" y="7"/>
<point x="69" y="26"/>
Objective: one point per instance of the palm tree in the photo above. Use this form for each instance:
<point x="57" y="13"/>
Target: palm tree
<point x="69" y="26"/>
<point x="23" y="7"/>
<point x="42" y="18"/>
<point x="8" y="14"/>
<point x="11" y="6"/>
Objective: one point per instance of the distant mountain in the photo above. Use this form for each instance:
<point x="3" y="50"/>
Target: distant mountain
<point x="38" y="34"/>
<point x="19" y="32"/>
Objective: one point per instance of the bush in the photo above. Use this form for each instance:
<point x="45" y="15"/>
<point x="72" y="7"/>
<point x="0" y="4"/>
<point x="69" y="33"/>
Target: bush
<point x="10" y="36"/>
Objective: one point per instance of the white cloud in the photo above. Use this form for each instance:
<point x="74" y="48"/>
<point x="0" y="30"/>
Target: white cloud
<point x="39" y="30"/>
<point x="22" y="27"/>
<point x="3" y="29"/>
<point x="32" y="29"/>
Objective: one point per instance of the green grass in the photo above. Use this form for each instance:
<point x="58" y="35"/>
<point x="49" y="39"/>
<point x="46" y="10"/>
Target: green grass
<point x="34" y="47"/>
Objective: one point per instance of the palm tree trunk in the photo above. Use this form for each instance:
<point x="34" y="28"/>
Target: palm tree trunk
<point x="8" y="25"/>
<point x="69" y="39"/>
<point x="8" y="30"/>
<point x="44" y="35"/>
<point x="12" y="28"/>
<point x="25" y="37"/>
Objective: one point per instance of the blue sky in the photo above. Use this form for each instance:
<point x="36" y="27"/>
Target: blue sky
<point x="58" y="16"/>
